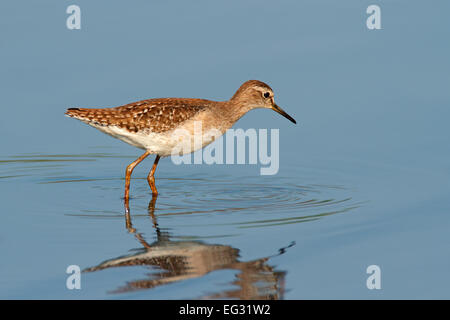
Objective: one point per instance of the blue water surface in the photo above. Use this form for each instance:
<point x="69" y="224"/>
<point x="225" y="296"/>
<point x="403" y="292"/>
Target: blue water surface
<point x="364" y="176"/>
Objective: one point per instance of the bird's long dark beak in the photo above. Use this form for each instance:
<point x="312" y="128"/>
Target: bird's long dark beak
<point x="283" y="113"/>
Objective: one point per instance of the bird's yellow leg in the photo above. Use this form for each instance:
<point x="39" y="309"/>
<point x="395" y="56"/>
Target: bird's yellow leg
<point x="128" y="172"/>
<point x="151" y="176"/>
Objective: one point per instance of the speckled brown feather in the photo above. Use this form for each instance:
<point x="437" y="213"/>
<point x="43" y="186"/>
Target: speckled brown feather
<point x="152" y="115"/>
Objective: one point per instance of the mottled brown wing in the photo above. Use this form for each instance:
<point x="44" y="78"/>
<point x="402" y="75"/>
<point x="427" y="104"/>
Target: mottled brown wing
<point x="154" y="115"/>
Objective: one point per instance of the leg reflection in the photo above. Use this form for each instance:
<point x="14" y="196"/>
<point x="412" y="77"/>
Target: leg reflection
<point x="174" y="260"/>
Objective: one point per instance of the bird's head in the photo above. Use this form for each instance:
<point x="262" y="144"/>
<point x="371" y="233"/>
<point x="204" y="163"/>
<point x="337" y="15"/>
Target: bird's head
<point x="256" y="94"/>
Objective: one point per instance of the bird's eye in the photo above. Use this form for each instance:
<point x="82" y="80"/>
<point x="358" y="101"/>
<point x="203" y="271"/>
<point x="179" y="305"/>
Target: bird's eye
<point x="266" y="95"/>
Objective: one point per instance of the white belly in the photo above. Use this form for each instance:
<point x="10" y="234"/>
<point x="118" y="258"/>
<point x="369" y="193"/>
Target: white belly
<point x="179" y="141"/>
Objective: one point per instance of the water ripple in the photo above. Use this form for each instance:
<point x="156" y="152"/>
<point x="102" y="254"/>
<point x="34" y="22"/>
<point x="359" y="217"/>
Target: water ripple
<point x="261" y="201"/>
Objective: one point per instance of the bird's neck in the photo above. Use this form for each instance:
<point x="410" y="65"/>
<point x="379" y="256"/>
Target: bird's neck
<point x="236" y="108"/>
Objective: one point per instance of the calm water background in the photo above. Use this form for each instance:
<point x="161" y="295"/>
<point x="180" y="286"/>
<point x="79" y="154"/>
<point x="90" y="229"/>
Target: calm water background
<point x="363" y="179"/>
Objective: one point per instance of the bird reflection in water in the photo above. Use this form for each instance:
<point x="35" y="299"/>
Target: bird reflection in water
<point x="181" y="260"/>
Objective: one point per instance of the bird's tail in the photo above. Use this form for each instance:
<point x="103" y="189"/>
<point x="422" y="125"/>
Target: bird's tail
<point x="90" y="116"/>
<point x="77" y="113"/>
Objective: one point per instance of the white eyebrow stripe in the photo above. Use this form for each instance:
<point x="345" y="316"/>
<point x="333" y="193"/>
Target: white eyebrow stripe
<point x="263" y="90"/>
